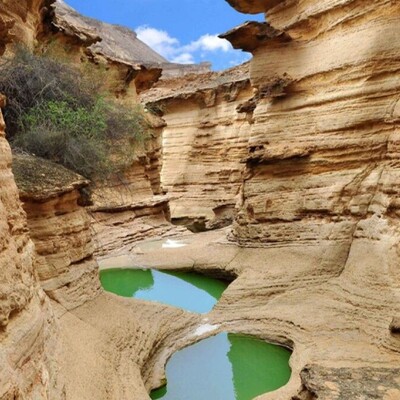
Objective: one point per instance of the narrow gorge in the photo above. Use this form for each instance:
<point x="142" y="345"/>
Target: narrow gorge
<point x="280" y="176"/>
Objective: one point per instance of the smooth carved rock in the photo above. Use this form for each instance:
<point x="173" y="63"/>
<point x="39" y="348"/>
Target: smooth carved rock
<point x="28" y="332"/>
<point x="253" y="34"/>
<point x="60" y="229"/>
<point x="204" y="141"/>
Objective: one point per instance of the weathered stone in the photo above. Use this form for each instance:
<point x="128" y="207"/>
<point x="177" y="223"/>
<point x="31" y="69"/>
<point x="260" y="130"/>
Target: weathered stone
<point x="21" y="22"/>
<point x="204" y="141"/>
<point x="28" y="332"/>
<point x="60" y="229"/>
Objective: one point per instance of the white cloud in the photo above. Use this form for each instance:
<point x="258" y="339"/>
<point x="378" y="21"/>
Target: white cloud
<point x="170" y="47"/>
<point x="209" y="43"/>
<point x="158" y="40"/>
<point x="184" y="58"/>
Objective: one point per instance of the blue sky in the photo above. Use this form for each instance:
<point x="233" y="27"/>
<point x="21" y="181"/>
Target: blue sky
<point x="181" y="30"/>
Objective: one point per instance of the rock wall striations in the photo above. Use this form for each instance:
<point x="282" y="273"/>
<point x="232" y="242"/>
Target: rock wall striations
<point x="324" y="135"/>
<point x="204" y="142"/>
<point x="301" y="152"/>
<point x="28" y="332"/>
<point x="320" y="191"/>
<point x="60" y="229"/>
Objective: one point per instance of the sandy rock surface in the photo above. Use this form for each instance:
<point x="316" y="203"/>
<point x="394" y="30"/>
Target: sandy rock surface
<point x="316" y="299"/>
<point x="28" y="331"/>
<point x="203" y="144"/>
<point x="310" y="149"/>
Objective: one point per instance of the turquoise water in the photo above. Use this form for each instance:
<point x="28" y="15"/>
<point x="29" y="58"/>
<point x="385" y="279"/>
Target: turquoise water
<point x="187" y="290"/>
<point x="225" y="367"/>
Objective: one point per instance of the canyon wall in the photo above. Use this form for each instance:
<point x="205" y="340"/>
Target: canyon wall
<point x="320" y="192"/>
<point x="60" y="229"/>
<point x="131" y="205"/>
<point x="324" y="139"/>
<point x="317" y="212"/>
<point x="28" y="331"/>
<point x="303" y="154"/>
<point x="64" y="341"/>
<point x="204" y="142"/>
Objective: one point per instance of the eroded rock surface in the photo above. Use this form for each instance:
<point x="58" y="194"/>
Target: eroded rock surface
<point x="28" y="332"/>
<point x="60" y="229"/>
<point x="203" y="144"/>
<point x="315" y="243"/>
<point x="21" y="21"/>
<point x="318" y="266"/>
<point x="116" y="42"/>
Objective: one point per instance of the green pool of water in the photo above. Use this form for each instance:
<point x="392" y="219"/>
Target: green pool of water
<point x="225" y="367"/>
<point x="191" y="291"/>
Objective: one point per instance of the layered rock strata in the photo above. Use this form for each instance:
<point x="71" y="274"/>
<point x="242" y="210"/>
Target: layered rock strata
<point x="324" y="138"/>
<point x="320" y="194"/>
<point x="60" y="229"/>
<point x="116" y="44"/>
<point x="132" y="206"/>
<point x="317" y="207"/>
<point x="28" y="333"/>
<point x="203" y="142"/>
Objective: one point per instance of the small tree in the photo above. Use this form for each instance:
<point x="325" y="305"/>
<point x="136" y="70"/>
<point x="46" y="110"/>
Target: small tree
<point x="58" y="112"/>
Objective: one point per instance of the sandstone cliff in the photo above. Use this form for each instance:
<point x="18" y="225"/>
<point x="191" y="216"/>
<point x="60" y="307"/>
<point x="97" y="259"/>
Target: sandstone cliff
<point x="321" y="184"/>
<point x="21" y="21"/>
<point x="318" y="212"/>
<point x="315" y="242"/>
<point x="28" y="332"/>
<point x="116" y="43"/>
<point x="103" y="341"/>
<point x="203" y="144"/>
<point x="60" y="230"/>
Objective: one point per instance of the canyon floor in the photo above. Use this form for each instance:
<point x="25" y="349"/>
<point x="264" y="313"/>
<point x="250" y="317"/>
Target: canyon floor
<point x="288" y="295"/>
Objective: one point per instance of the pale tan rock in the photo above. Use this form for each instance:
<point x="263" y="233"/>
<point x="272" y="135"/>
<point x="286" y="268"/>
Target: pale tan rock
<point x="60" y="229"/>
<point x="203" y="143"/>
<point x="315" y="298"/>
<point x="132" y="206"/>
<point x="328" y="143"/>
<point x="28" y="333"/>
<point x="318" y="211"/>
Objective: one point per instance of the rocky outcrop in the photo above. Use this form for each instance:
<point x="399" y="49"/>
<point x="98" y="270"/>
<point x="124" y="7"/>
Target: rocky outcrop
<point x="28" y="333"/>
<point x="60" y="229"/>
<point x="116" y="44"/>
<point x="103" y="340"/>
<point x="329" y="139"/>
<point x="21" y="21"/>
<point x="204" y="141"/>
<point x="316" y="128"/>
<point x="320" y="192"/>
<point x="317" y="225"/>
<point x="132" y="206"/>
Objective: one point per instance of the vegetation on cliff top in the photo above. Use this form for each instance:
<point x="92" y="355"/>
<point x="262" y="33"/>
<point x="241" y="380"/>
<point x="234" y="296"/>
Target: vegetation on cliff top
<point x="63" y="114"/>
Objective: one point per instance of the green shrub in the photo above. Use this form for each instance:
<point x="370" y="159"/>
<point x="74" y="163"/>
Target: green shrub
<point x="60" y="113"/>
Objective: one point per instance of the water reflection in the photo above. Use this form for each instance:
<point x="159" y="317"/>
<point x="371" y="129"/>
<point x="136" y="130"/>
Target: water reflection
<point x="225" y="367"/>
<point x="193" y="292"/>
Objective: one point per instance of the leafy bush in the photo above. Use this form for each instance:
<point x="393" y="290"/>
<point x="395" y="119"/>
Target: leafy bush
<point x="60" y="113"/>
